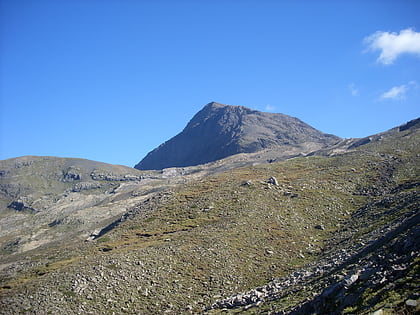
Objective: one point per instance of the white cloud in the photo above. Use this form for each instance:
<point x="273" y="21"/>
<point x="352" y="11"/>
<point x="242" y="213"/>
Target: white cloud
<point x="269" y="108"/>
<point x="353" y="89"/>
<point x="392" y="45"/>
<point x="399" y="92"/>
<point x="396" y="92"/>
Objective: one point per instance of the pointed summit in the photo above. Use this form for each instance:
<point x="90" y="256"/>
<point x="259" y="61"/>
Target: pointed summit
<point x="219" y="130"/>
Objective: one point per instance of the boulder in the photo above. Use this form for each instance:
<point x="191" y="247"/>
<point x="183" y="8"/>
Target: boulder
<point x="20" y="206"/>
<point x="273" y="180"/>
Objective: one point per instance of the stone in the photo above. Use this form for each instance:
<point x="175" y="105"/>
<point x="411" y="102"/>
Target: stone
<point x="411" y="303"/>
<point x="72" y="174"/>
<point x="273" y="180"/>
<point x="18" y="205"/>
<point x="85" y="186"/>
<point x="350" y="280"/>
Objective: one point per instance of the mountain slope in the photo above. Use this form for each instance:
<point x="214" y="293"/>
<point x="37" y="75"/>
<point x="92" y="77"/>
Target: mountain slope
<point x="218" y="131"/>
<point x="50" y="199"/>
<point x="323" y="237"/>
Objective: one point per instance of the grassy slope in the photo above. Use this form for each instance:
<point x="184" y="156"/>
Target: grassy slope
<point x="210" y="238"/>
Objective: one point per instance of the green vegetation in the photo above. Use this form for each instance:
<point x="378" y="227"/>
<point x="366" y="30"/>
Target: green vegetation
<point x="198" y="242"/>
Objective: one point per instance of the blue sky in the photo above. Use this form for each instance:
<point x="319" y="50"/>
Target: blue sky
<point x="111" y="80"/>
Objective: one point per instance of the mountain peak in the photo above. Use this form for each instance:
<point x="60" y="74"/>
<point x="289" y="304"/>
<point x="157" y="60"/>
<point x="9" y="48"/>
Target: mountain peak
<point x="218" y="131"/>
<point x="216" y="105"/>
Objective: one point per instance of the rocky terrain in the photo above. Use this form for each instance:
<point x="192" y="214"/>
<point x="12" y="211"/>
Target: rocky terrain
<point x="331" y="231"/>
<point x="46" y="199"/>
<point x="219" y="131"/>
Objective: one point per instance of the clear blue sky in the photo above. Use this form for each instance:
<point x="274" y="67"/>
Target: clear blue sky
<point x="111" y="80"/>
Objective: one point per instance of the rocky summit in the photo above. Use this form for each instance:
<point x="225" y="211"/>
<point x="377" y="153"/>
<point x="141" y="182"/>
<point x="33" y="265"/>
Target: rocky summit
<point x="218" y="131"/>
<point x="335" y="230"/>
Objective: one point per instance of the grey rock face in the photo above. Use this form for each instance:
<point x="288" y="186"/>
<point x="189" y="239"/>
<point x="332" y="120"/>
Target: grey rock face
<point x="72" y="174"/>
<point x="218" y="131"/>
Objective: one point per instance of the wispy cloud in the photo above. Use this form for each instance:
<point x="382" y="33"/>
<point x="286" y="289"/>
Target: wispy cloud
<point x="398" y="92"/>
<point x="393" y="45"/>
<point x="269" y="108"/>
<point x="353" y="89"/>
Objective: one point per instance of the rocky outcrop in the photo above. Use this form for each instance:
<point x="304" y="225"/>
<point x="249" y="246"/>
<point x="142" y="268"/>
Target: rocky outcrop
<point x="20" y="206"/>
<point x="100" y="175"/>
<point x="218" y="131"/>
<point x="71" y="174"/>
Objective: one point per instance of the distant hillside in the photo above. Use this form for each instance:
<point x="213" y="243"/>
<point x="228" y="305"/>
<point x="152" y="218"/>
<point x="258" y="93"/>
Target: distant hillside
<point x="218" y="131"/>
<point x="336" y="232"/>
<point x="48" y="199"/>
